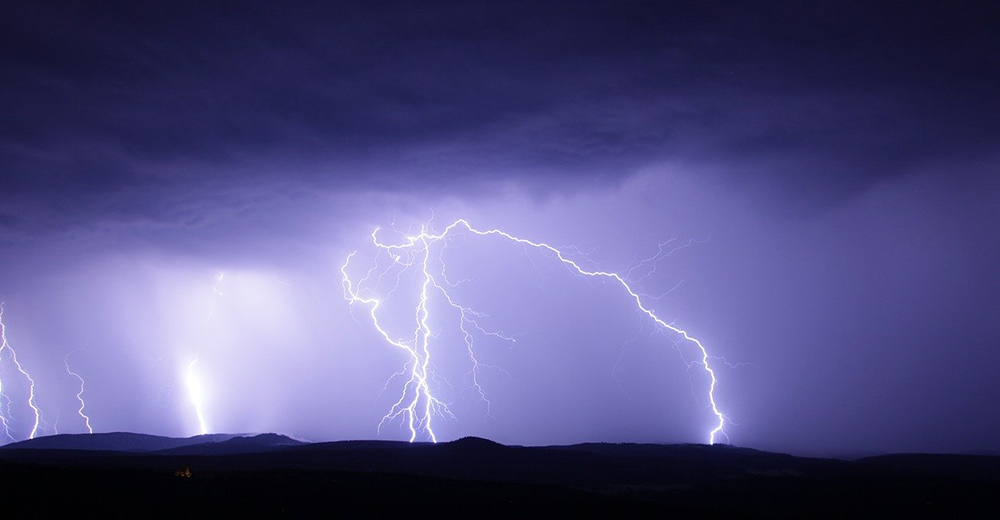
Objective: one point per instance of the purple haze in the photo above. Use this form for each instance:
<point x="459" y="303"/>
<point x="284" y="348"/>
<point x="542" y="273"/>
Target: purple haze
<point x="836" y="167"/>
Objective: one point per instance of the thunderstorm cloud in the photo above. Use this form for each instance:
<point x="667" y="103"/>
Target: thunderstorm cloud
<point x="833" y="165"/>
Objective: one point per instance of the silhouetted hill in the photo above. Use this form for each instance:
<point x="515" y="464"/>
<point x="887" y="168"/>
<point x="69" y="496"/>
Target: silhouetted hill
<point x="475" y="443"/>
<point x="243" y="444"/>
<point x="116" y="441"/>
<point x="270" y="474"/>
<point x="938" y="465"/>
<point x="992" y="453"/>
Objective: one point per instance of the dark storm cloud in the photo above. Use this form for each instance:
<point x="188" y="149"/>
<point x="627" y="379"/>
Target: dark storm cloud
<point x="155" y="102"/>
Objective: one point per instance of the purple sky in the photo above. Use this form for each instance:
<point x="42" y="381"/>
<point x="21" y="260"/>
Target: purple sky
<point x="835" y="165"/>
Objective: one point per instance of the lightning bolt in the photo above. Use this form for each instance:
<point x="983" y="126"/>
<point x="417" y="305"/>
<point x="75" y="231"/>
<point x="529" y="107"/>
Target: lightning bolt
<point x="191" y="381"/>
<point x="4" y="421"/>
<point x="79" y="396"/>
<point x="417" y="406"/>
<point x="3" y="416"/>
<point x="195" y="394"/>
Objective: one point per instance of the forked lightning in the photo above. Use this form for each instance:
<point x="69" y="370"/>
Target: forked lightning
<point x="418" y="406"/>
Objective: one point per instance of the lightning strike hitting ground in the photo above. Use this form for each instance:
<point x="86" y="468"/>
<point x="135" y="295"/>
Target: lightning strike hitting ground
<point x="79" y="396"/>
<point x="195" y="394"/>
<point x="418" y="406"/>
<point x="5" y="417"/>
<point x="191" y="380"/>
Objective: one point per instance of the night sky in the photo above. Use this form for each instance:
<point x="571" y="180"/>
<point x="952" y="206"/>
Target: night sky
<point x="181" y="181"/>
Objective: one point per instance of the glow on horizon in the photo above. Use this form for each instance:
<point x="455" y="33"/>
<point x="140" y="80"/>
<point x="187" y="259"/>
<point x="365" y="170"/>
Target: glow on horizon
<point x="417" y="405"/>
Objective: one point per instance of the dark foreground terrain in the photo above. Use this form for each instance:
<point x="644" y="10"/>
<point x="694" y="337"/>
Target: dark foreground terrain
<point x="132" y="475"/>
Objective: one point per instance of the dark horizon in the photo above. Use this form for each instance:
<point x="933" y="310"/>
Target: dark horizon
<point x="182" y="185"/>
<point x="269" y="475"/>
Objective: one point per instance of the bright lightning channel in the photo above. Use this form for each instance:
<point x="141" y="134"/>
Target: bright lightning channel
<point x="5" y="420"/>
<point x="79" y="396"/>
<point x="417" y="406"/>
<point x="195" y="394"/>
<point x="191" y="381"/>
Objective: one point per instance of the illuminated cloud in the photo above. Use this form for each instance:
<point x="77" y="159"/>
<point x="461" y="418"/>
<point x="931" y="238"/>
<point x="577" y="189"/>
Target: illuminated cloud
<point x="834" y="164"/>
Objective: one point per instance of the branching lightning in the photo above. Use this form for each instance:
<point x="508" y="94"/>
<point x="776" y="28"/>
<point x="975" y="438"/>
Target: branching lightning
<point x="5" y="418"/>
<point x="79" y="396"/>
<point x="418" y="406"/>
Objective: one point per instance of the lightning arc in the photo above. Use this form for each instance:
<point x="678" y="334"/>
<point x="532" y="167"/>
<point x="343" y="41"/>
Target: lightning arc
<point x="417" y="406"/>
<point x="79" y="396"/>
<point x="5" y="419"/>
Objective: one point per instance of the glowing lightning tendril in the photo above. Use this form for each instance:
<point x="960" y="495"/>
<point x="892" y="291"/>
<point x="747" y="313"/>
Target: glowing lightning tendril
<point x="79" y="396"/>
<point x="194" y="392"/>
<point x="191" y="379"/>
<point x="417" y="405"/>
<point x="31" y="383"/>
